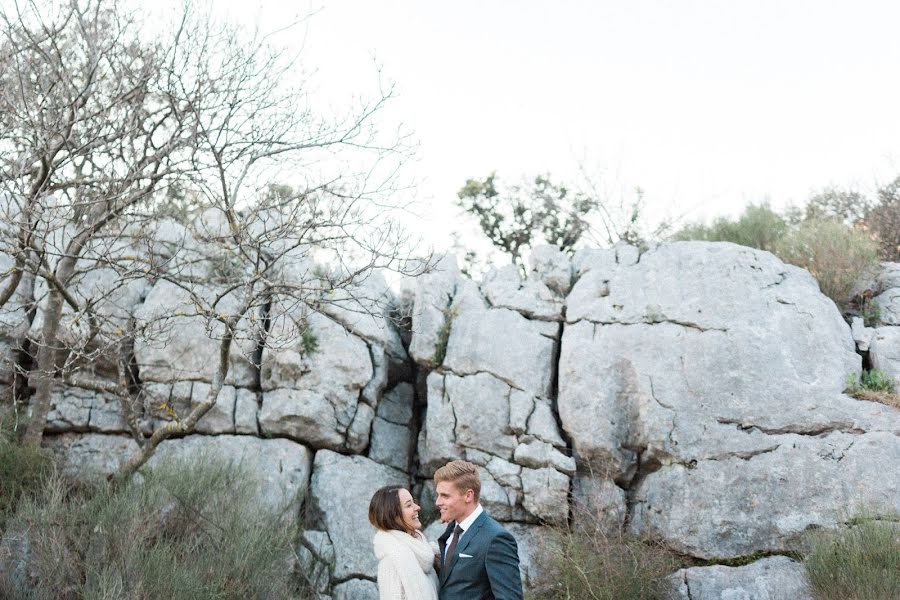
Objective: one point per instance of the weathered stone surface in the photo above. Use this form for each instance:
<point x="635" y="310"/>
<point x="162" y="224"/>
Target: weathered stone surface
<point x="884" y="351"/>
<point x="433" y="296"/>
<point x="862" y="335"/>
<point x="729" y="507"/>
<point x="396" y="405"/>
<point x="598" y="501"/>
<point x="315" y="396"/>
<point x="315" y="555"/>
<point x="363" y="308"/>
<point x="77" y="410"/>
<point x="504" y="288"/>
<point x="552" y="267"/>
<point x="341" y="489"/>
<point x="503" y="343"/>
<point x="888" y="303"/>
<point x="391" y="444"/>
<point x="536" y="454"/>
<point x="356" y="589"/>
<point x="545" y="494"/>
<point x="90" y="455"/>
<point x="717" y="357"/>
<point x="182" y="347"/>
<point x="773" y="578"/>
<point x="280" y="468"/>
<point x="245" y="408"/>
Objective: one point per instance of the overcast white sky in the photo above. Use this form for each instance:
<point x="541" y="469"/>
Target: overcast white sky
<point x="705" y="105"/>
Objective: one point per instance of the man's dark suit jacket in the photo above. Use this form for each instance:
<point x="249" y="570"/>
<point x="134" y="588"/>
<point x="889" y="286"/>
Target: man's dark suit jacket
<point x="484" y="565"/>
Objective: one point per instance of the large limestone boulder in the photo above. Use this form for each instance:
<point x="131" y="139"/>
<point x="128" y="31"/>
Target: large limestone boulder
<point x="693" y="376"/>
<point x="316" y="395"/>
<point x="280" y="468"/>
<point x="774" y="578"/>
<point x="340" y="491"/>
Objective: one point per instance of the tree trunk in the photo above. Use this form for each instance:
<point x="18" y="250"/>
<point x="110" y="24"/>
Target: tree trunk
<point x="46" y="365"/>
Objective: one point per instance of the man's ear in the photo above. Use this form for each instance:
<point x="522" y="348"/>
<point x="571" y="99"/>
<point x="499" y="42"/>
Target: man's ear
<point x="470" y="495"/>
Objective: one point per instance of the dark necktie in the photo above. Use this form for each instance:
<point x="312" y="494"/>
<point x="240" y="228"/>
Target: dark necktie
<point x="456" y="533"/>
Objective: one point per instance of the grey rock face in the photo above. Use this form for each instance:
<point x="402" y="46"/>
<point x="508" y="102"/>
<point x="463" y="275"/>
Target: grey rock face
<point x="552" y="267"/>
<point x="356" y="589"/>
<point x="885" y="352"/>
<point x="470" y="417"/>
<point x="503" y="343"/>
<point x="774" y="578"/>
<point x="341" y="489"/>
<point x="90" y="455"/>
<point x="696" y="375"/>
<point x="504" y="288"/>
<point x="434" y="293"/>
<point x="734" y="506"/>
<point x="315" y="397"/>
<point x="182" y="347"/>
<point x="280" y="468"/>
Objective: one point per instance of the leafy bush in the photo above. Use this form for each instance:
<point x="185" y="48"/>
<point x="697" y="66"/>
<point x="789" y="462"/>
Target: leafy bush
<point x="191" y="531"/>
<point x="836" y="255"/>
<point x="874" y="385"/>
<point x="586" y="561"/>
<point x="758" y="227"/>
<point x="23" y="473"/>
<point x="882" y="220"/>
<point x="859" y="563"/>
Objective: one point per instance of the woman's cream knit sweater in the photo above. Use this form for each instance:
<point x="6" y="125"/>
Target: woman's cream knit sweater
<point x="405" y="566"/>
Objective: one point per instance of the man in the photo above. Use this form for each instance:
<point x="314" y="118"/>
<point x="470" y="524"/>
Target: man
<point x="479" y="559"/>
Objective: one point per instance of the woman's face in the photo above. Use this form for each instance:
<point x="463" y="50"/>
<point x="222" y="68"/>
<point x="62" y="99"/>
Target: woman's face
<point x="409" y="510"/>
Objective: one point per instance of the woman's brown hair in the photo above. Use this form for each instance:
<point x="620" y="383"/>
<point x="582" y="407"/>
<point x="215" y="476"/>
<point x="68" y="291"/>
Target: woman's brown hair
<point x="385" y="512"/>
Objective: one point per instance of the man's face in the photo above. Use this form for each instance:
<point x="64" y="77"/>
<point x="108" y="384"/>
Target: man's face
<point x="455" y="505"/>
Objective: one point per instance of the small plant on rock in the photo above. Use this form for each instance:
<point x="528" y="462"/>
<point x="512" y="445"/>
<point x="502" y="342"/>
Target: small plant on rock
<point x="874" y="385"/>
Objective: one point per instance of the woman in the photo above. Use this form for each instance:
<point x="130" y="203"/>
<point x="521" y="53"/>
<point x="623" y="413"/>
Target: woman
<point x="405" y="558"/>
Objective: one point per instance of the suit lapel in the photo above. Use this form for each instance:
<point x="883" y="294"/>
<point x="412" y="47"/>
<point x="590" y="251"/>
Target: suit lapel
<point x="469" y="535"/>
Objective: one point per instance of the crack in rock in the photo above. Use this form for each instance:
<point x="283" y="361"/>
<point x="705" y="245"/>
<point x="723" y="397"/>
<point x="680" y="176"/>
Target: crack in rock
<point x="793" y="429"/>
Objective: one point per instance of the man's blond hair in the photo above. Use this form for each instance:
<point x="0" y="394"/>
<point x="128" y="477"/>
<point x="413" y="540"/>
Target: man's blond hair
<point x="463" y="475"/>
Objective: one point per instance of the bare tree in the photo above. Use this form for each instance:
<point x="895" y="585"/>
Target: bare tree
<point x="103" y="132"/>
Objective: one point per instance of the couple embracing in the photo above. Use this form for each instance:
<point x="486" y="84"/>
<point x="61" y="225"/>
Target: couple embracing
<point x="474" y="559"/>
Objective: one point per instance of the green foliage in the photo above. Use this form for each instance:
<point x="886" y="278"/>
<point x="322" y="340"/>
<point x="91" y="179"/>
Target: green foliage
<point x="836" y="255"/>
<point x="859" y="563"/>
<point x="309" y="343"/>
<point x="846" y="206"/>
<point x="874" y="385"/>
<point x="874" y="380"/>
<point x="518" y="217"/>
<point x="870" y="312"/>
<point x="882" y="220"/>
<point x="23" y="473"/>
<point x="758" y="227"/>
<point x="187" y="531"/>
<point x="443" y="337"/>
<point x="584" y="561"/>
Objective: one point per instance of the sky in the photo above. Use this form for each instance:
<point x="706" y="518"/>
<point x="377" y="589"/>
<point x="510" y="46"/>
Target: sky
<point x="706" y="106"/>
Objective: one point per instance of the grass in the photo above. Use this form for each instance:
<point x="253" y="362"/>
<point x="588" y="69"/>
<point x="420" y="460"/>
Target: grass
<point x="858" y="563"/>
<point x="584" y="562"/>
<point x="184" y="531"/>
<point x="874" y="385"/>
<point x="23" y="473"/>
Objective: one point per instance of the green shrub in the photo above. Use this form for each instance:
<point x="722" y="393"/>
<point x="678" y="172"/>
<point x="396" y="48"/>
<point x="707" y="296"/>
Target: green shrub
<point x="191" y="531"/>
<point x="874" y="385"/>
<point x="836" y="255"/>
<point x="758" y="227"/>
<point x="23" y="473"/>
<point x="584" y="561"/>
<point x="859" y="563"/>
